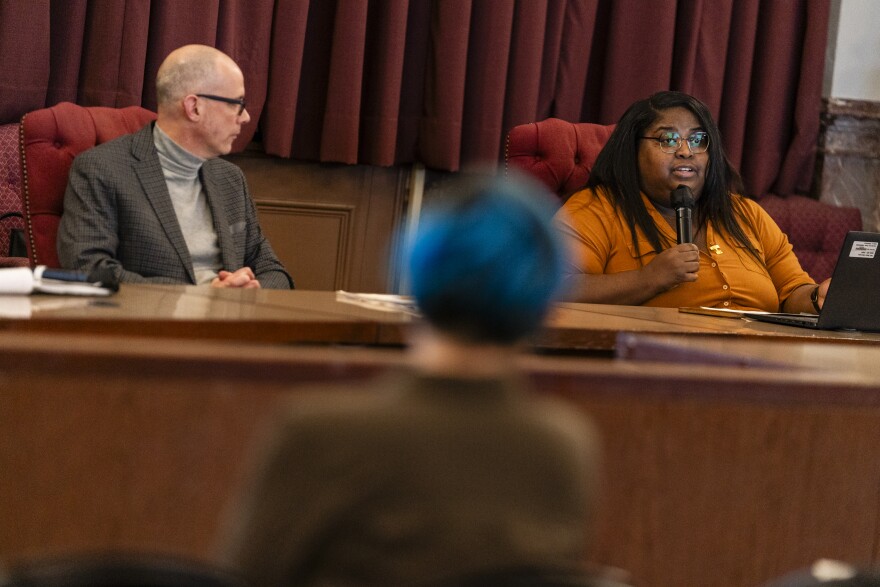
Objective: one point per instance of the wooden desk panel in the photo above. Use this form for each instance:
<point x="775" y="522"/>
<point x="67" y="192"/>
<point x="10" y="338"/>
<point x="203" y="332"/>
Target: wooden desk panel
<point x="734" y="494"/>
<point x="714" y="475"/>
<point x="857" y="362"/>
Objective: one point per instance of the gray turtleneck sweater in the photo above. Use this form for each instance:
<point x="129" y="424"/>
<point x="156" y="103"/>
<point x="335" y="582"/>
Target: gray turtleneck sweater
<point x="181" y="170"/>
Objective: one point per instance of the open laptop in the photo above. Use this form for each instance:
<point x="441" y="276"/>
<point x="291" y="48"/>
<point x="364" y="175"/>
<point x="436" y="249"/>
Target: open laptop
<point x="853" y="299"/>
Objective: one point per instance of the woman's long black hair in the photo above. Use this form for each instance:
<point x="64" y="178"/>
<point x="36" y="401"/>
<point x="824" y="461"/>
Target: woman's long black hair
<point x="616" y="171"/>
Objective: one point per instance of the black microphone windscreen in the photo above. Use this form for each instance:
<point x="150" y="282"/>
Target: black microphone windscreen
<point x="682" y="197"/>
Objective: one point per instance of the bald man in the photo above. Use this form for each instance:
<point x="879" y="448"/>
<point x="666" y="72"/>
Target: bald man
<point x="158" y="205"/>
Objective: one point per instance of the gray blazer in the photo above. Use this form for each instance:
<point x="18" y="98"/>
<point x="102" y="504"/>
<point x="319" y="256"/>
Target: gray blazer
<point x="118" y="215"/>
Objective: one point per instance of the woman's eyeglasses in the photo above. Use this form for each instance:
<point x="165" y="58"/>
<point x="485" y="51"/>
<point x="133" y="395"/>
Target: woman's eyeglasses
<point x="238" y="101"/>
<point x="671" y="142"/>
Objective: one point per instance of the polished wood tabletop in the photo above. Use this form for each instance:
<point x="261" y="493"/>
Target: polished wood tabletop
<point x="192" y="312"/>
<point x="597" y="326"/>
<point x="306" y="317"/>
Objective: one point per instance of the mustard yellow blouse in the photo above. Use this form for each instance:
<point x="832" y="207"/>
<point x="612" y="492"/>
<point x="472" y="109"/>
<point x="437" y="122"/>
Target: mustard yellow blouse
<point x="729" y="277"/>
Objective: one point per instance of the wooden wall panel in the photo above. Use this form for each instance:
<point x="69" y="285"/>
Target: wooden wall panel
<point x="322" y="231"/>
<point x="333" y="226"/>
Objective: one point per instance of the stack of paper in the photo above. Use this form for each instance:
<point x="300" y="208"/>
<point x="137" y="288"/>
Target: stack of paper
<point x="24" y="281"/>
<point x="383" y="302"/>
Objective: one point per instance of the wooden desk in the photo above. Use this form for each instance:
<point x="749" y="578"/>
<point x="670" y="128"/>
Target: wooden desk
<point x="190" y="312"/>
<point x="723" y="475"/>
<point x="317" y="317"/>
<point x="596" y="327"/>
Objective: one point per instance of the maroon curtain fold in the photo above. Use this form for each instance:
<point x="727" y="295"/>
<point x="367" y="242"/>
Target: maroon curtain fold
<point x="789" y="99"/>
<point x="385" y="82"/>
<point x="111" y="70"/>
<point x="775" y="81"/>
<point x="700" y="55"/>
<point x="383" y="79"/>
<point x="523" y="83"/>
<point x="638" y="39"/>
<point x="440" y="137"/>
<point x="24" y="57"/>
<point x="68" y="28"/>
<point x="413" y="87"/>
<point x="486" y="80"/>
<point x="578" y="48"/>
<point x="285" y="69"/>
<point x="339" y="133"/>
<point x="738" y="79"/>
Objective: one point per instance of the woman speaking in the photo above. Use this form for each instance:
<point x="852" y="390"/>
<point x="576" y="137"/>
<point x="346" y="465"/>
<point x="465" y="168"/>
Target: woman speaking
<point x="621" y="229"/>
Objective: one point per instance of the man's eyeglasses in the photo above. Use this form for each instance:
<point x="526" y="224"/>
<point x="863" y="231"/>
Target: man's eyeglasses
<point x="670" y="142"/>
<point x="238" y="101"/>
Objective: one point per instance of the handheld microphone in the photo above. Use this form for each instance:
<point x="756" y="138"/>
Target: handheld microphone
<point x="682" y="200"/>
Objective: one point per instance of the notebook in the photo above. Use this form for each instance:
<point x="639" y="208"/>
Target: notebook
<point x="853" y="299"/>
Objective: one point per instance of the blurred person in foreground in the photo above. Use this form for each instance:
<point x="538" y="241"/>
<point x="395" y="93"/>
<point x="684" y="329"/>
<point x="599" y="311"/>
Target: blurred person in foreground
<point x="621" y="229"/>
<point x="451" y="467"/>
<point x="160" y="205"/>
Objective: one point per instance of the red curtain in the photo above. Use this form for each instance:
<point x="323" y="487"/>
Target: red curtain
<point x="384" y="82"/>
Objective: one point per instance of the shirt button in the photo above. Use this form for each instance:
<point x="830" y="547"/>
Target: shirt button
<point x="714" y="264"/>
<point x="723" y="287"/>
<point x="726" y="303"/>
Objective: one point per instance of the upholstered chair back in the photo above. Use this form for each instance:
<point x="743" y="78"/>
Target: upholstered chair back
<point x="816" y="229"/>
<point x="559" y="153"/>
<point x="51" y="138"/>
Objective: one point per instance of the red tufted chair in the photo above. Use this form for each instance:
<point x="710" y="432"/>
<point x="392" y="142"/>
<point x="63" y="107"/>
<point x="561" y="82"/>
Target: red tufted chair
<point x="51" y="138"/>
<point x="561" y="154"/>
<point x="816" y="229"/>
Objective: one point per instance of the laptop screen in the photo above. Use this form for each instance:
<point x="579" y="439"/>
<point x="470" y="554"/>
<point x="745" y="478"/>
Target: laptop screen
<point x="853" y="299"/>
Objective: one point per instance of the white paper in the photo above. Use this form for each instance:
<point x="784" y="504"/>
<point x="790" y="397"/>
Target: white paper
<point x="16" y="280"/>
<point x="382" y="302"/>
<point x="24" y="280"/>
